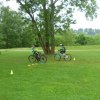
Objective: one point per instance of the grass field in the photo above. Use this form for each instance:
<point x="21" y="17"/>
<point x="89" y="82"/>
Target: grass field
<point x="74" y="80"/>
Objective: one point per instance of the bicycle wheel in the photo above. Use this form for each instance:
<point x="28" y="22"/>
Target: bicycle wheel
<point x="31" y="58"/>
<point x="43" y="59"/>
<point x="67" y="57"/>
<point x="57" y="57"/>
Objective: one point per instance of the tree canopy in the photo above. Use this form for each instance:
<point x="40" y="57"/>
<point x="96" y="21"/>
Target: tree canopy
<point x="50" y="16"/>
<point x="14" y="30"/>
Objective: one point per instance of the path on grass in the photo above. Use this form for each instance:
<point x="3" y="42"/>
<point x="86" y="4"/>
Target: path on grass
<point x="21" y="50"/>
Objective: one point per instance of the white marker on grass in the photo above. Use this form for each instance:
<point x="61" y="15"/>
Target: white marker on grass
<point x="74" y="58"/>
<point x="11" y="72"/>
<point x="29" y="65"/>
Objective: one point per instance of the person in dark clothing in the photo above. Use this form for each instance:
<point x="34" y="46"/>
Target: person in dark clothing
<point x="63" y="49"/>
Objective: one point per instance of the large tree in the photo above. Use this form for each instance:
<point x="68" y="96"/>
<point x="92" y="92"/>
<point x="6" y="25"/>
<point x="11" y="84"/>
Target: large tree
<point x="14" y="30"/>
<point x="10" y="27"/>
<point x="48" y="16"/>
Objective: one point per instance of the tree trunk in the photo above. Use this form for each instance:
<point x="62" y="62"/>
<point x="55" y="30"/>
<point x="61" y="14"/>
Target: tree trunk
<point x="49" y="28"/>
<point x="46" y="26"/>
<point x="52" y="27"/>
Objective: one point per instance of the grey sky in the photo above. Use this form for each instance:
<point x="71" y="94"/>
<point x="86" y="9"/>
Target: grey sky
<point x="79" y="16"/>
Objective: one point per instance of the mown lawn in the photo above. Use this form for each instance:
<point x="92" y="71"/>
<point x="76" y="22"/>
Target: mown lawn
<point x="74" y="80"/>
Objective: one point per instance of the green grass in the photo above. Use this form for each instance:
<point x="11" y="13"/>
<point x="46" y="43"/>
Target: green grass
<point x="74" y="80"/>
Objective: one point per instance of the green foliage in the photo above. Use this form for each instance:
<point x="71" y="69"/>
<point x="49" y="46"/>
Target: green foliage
<point x="81" y="39"/>
<point x="2" y="42"/>
<point x="59" y="39"/>
<point x="15" y="31"/>
<point x="96" y="39"/>
<point x="10" y="27"/>
<point x="90" y="40"/>
<point x="28" y="36"/>
<point x="66" y="37"/>
<point x="69" y="37"/>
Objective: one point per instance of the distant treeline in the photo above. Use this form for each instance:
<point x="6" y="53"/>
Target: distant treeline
<point x="88" y="31"/>
<point x="73" y="38"/>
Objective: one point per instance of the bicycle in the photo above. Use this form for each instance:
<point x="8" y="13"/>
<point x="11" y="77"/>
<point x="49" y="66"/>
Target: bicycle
<point x="37" y="57"/>
<point x="58" y="56"/>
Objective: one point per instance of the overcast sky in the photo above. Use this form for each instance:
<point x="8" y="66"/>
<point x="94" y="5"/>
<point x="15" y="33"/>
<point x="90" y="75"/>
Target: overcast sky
<point x="79" y="16"/>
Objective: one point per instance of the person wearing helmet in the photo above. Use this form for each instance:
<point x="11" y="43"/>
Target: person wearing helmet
<point x="37" y="56"/>
<point x="33" y="47"/>
<point x="63" y="49"/>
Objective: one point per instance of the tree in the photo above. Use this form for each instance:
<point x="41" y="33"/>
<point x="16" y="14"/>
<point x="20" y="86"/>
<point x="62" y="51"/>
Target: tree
<point x="10" y="27"/>
<point x="14" y="30"/>
<point x="2" y="42"/>
<point x="69" y="37"/>
<point x="49" y="15"/>
<point x="27" y="36"/>
<point x="81" y="39"/>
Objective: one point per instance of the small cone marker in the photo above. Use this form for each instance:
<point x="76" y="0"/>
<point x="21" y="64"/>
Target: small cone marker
<point x="11" y="72"/>
<point x="74" y="58"/>
<point x="29" y="65"/>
